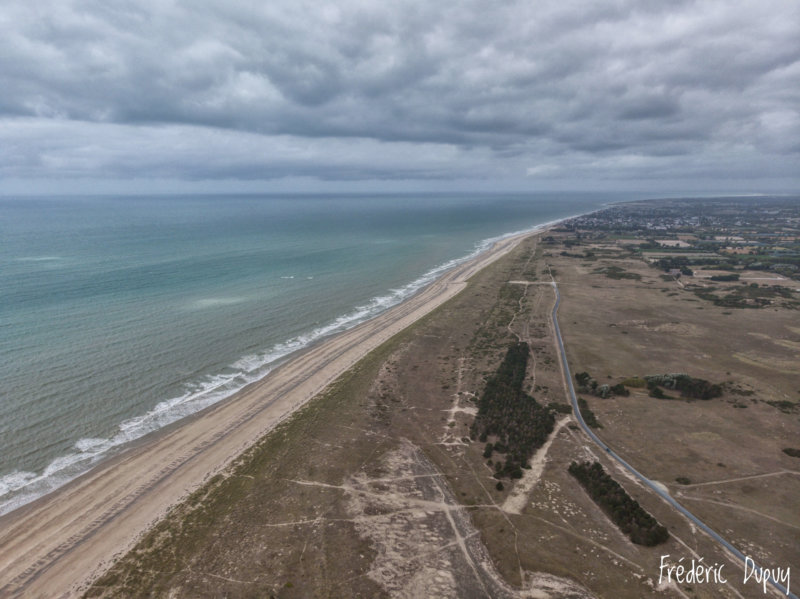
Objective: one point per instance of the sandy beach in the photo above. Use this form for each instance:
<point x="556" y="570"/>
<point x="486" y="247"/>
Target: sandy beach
<point x="56" y="545"/>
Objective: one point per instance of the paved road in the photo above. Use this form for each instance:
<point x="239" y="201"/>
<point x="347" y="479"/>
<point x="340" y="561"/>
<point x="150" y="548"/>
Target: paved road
<point x="611" y="453"/>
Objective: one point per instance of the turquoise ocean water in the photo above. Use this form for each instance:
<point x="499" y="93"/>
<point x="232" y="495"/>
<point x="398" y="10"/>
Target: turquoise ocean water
<point x="120" y="315"/>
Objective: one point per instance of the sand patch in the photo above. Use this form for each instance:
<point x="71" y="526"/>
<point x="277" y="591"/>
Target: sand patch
<point x="546" y="586"/>
<point x="702" y="436"/>
<point x="518" y="498"/>
<point x="680" y="329"/>
<point x="661" y="486"/>
<point x="788" y="344"/>
<point x="425" y="543"/>
<point x="787" y="366"/>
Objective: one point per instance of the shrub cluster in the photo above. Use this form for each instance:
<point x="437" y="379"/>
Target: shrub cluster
<point x="586" y="384"/>
<point x="730" y="277"/>
<point x="655" y="391"/>
<point x="624" y="511"/>
<point x="687" y="385"/>
<point x="518" y="422"/>
<point x="785" y="406"/>
<point x="615" y="272"/>
<point x="588" y="416"/>
<point x="746" y="296"/>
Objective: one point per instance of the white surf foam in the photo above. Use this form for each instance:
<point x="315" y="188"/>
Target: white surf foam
<point x="213" y="302"/>
<point x="39" y="259"/>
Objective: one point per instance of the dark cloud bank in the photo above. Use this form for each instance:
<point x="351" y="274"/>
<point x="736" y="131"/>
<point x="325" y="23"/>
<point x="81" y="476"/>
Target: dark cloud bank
<point x="537" y="95"/>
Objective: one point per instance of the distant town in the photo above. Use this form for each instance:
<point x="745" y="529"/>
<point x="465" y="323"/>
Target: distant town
<point x="752" y="241"/>
<point x="756" y="233"/>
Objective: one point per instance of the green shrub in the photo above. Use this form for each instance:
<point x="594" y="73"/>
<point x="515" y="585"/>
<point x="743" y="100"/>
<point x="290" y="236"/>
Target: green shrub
<point x="687" y="385"/>
<point x="588" y="416"/>
<point x="619" y="389"/>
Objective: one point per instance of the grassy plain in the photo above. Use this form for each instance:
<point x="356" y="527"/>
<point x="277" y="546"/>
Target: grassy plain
<point x="729" y="448"/>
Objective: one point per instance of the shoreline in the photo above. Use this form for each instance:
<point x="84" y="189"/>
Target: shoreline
<point x="58" y="542"/>
<point x="70" y="465"/>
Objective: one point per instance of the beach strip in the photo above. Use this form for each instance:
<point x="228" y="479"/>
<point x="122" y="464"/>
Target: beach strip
<point x="54" y="546"/>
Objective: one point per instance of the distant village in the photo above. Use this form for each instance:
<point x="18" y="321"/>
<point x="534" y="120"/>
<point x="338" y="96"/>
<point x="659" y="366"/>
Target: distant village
<point x="729" y="234"/>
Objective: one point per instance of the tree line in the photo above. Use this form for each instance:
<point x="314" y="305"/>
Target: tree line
<point x="623" y="510"/>
<point x="516" y="421"/>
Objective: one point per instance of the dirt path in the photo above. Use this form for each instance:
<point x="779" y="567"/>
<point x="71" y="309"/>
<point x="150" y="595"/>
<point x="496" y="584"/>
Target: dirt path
<point x="516" y="500"/>
<point x="426" y="543"/>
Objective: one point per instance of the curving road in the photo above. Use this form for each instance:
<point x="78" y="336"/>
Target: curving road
<point x="655" y="488"/>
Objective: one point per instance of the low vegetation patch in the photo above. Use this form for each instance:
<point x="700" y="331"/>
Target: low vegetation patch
<point x="787" y="407"/>
<point x="736" y="389"/>
<point x="792" y="451"/>
<point x="658" y="393"/>
<point x="746" y="296"/>
<point x="624" y="511"/>
<point x="588" y="416"/>
<point x="616" y="272"/>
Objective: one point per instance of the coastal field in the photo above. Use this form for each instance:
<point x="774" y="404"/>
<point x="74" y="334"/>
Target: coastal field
<point x="722" y="458"/>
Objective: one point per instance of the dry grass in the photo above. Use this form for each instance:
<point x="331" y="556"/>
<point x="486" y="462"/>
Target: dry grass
<point x="626" y="328"/>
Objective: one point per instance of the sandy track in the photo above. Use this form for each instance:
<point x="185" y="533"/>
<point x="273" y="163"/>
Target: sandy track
<point x="53" y="547"/>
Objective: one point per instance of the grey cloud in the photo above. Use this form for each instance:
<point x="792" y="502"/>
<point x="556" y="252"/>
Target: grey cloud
<point x="649" y="107"/>
<point x="519" y="83"/>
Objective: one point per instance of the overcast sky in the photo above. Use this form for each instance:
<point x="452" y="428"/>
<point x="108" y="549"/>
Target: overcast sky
<point x="160" y="95"/>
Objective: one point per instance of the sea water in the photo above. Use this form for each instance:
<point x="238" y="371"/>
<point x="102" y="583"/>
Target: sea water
<point x="121" y="315"/>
